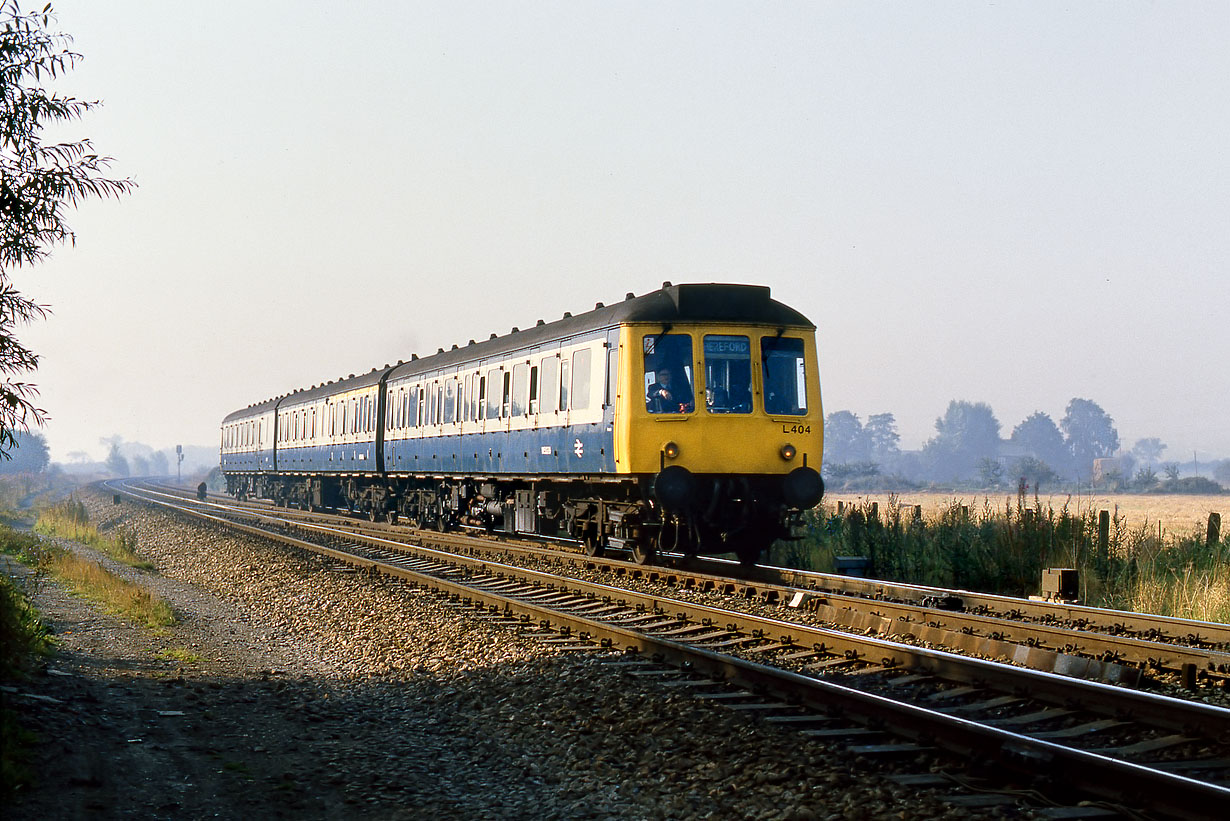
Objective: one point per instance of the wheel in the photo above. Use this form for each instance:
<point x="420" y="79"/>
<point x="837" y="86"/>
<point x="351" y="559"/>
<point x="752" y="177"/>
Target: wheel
<point x="592" y="544"/>
<point x="643" y="552"/>
<point x="751" y="551"/>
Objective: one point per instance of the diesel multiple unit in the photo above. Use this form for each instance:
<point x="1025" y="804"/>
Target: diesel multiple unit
<point x="686" y="419"/>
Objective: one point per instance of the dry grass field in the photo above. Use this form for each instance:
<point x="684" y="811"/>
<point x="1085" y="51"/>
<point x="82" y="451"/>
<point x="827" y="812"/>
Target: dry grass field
<point x="1177" y="514"/>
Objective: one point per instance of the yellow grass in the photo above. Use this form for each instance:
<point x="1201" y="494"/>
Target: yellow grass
<point x="116" y="595"/>
<point x="1178" y="514"/>
<point x="1193" y="594"/>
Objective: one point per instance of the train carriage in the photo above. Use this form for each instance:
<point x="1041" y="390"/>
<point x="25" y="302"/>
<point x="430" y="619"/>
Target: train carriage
<point x="686" y="419"/>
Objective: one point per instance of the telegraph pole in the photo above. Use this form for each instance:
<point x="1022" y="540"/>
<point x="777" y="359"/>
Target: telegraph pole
<point x="179" y="460"/>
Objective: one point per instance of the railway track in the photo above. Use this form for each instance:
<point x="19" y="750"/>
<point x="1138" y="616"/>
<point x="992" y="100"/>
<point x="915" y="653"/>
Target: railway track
<point x="1083" y="738"/>
<point x="1106" y="645"/>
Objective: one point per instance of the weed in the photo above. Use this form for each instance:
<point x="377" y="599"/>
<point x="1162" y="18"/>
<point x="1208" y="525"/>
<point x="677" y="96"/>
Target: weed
<point x="1005" y="550"/>
<point x="182" y="655"/>
<point x="69" y="519"/>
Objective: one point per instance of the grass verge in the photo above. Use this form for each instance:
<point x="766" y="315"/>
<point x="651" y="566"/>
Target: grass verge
<point x="69" y="519"/>
<point x="23" y="638"/>
<point x="91" y="580"/>
<point x="1004" y="550"/>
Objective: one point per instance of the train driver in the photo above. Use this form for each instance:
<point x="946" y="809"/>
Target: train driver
<point x="665" y="396"/>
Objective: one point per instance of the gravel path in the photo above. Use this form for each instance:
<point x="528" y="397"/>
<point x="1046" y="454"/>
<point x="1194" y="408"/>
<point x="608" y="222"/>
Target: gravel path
<point x="293" y="689"/>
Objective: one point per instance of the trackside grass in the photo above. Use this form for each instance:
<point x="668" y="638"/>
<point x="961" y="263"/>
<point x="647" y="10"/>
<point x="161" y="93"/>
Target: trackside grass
<point x="1004" y="550"/>
<point x="70" y="520"/>
<point x="91" y="580"/>
<point x="23" y="639"/>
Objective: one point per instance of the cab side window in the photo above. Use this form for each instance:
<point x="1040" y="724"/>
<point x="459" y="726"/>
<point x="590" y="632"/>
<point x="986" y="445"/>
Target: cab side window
<point x="785" y="381"/>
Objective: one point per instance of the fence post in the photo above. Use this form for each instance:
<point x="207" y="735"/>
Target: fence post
<point x="841" y="507"/>
<point x="875" y="511"/>
<point x="1214" y="534"/>
<point x="918" y="513"/>
<point x="1104" y="538"/>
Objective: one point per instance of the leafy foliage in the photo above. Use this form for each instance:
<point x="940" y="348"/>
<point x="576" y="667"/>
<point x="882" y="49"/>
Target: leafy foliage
<point x="967" y="433"/>
<point x="39" y="183"/>
<point x="1040" y="437"/>
<point x="1090" y="433"/>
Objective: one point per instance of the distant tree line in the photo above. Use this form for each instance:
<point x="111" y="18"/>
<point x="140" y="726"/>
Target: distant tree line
<point x="968" y="450"/>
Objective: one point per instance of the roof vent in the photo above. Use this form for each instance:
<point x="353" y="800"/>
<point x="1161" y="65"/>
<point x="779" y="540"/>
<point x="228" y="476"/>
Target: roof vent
<point x="491" y="337"/>
<point x="666" y="283"/>
<point x="540" y="322"/>
<point x="414" y="357"/>
<point x="567" y="314"/>
<point x="471" y="342"/>
<point x="629" y="295"/>
<point x="598" y="305"/>
<point x="454" y="347"/>
<point x="439" y="350"/>
<point x="351" y="376"/>
<point x="516" y="330"/>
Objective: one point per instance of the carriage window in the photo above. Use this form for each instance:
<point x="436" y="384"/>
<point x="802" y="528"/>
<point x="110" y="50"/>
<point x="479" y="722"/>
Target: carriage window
<point x="728" y="374"/>
<point x="493" y="394"/>
<point x="785" y="385"/>
<point x="549" y="384"/>
<point x="668" y="373"/>
<point x="534" y="389"/>
<point x="520" y="389"/>
<point x="564" y="384"/>
<point x="580" y="379"/>
<point x="466" y="393"/>
<point x="480" y="398"/>
<point x="313" y="423"/>
<point x="506" y="401"/>
<point x="450" y="401"/>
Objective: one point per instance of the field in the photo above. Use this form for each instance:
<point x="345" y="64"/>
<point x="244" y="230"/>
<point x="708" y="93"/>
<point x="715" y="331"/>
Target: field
<point x="1176" y="514"/>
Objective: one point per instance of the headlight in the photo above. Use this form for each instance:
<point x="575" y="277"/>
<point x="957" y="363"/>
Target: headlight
<point x="671" y="450"/>
<point x="788" y="452"/>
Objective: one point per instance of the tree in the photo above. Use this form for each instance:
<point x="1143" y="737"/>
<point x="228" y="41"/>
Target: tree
<point x="158" y="463"/>
<point x="1221" y="472"/>
<point x="1039" y="436"/>
<point x="117" y="465"/>
<point x="1090" y="433"/>
<point x="967" y="433"/>
<point x="29" y="455"/>
<point x="844" y="439"/>
<point x="1148" y="451"/>
<point x="1034" y="471"/>
<point x="882" y="437"/>
<point x="39" y="183"/>
<point x="990" y="471"/>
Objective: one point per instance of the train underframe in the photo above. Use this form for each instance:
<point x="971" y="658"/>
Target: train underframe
<point x="743" y="515"/>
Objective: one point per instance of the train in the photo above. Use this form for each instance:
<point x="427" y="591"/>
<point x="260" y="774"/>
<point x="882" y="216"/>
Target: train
<point x="686" y="420"/>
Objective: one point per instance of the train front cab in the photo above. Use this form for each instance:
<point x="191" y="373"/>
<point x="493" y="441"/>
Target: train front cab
<point x="736" y="436"/>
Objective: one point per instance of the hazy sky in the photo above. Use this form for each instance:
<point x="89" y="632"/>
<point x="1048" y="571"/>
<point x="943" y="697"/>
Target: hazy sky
<point x="1015" y="203"/>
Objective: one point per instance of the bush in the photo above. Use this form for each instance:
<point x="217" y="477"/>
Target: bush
<point x="1190" y="484"/>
